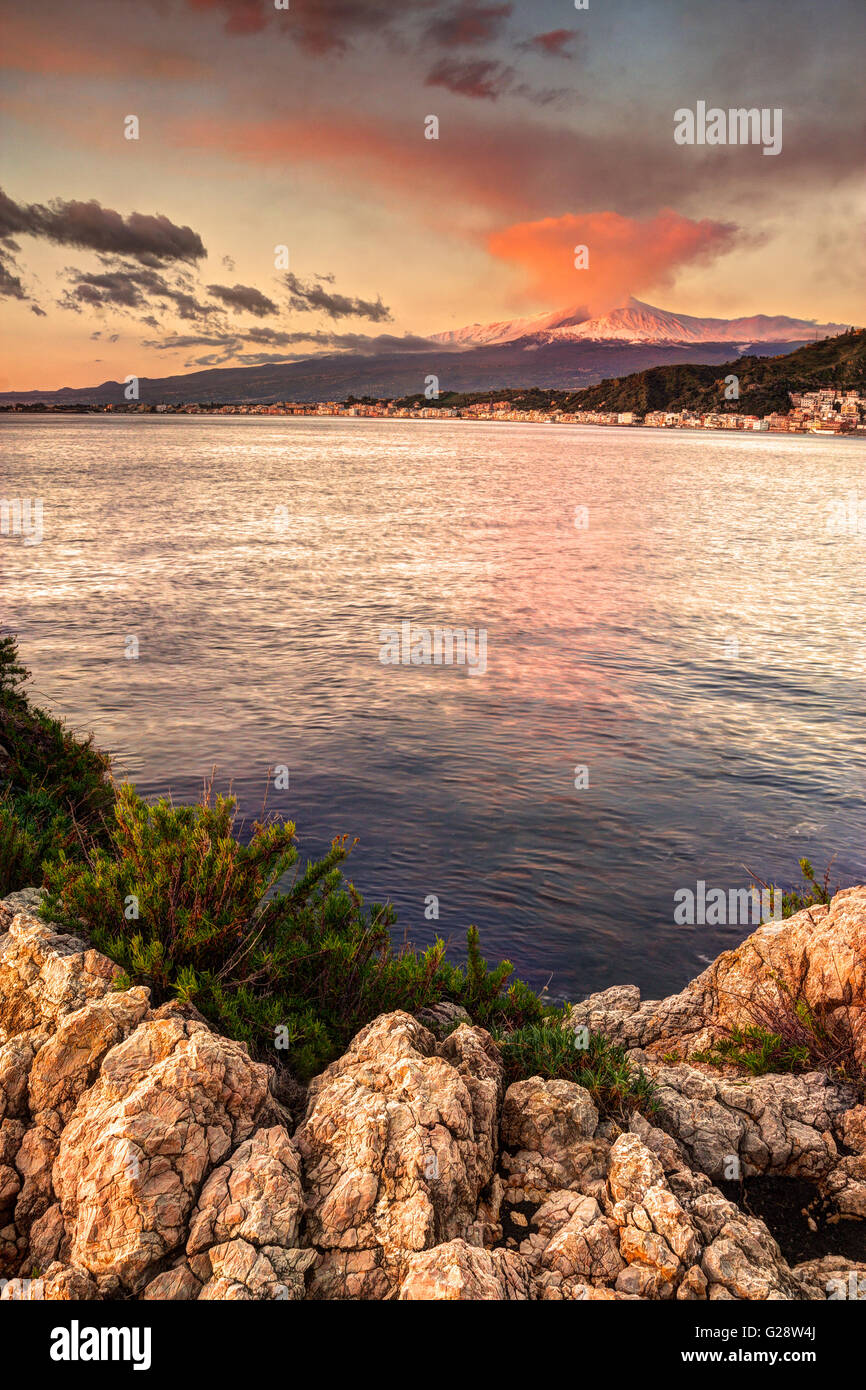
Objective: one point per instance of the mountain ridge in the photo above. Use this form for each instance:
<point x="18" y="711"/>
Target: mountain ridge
<point x="554" y="366"/>
<point x="637" y="322"/>
<point x="559" y="353"/>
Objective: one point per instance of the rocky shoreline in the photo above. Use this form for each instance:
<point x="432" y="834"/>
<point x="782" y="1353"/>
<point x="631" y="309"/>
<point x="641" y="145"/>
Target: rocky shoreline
<point x="145" y="1156"/>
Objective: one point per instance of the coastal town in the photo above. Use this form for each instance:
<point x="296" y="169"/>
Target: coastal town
<point x="822" y="411"/>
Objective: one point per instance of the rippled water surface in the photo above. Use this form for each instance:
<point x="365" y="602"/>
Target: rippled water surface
<point x="699" y="647"/>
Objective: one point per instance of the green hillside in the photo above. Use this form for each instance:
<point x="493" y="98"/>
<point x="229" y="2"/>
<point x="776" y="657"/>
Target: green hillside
<point x="764" y="381"/>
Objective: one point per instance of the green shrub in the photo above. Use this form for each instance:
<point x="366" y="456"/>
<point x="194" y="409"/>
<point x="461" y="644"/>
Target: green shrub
<point x="57" y="788"/>
<point x="810" y="894"/>
<point x="175" y="889"/>
<point x="788" y="1034"/>
<point x="547" y="1049"/>
<point x="757" y="1051"/>
<point x="484" y="993"/>
<point x="183" y="907"/>
<point x="12" y="674"/>
<point x="21" y="851"/>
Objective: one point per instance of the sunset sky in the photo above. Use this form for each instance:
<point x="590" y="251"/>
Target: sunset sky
<point x="305" y="127"/>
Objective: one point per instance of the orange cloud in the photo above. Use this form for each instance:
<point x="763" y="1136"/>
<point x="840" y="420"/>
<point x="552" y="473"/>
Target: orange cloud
<point x="30" y="47"/>
<point x="626" y="255"/>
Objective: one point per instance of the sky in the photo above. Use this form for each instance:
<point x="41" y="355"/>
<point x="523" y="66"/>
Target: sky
<point x="306" y="128"/>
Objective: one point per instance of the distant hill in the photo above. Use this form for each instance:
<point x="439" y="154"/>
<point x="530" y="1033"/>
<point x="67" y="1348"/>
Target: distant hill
<point x="565" y="366"/>
<point x="764" y="382"/>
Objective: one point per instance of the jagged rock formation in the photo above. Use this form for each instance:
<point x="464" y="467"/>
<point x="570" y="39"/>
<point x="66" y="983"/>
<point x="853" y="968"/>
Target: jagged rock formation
<point x="819" y="955"/>
<point x="398" y="1144"/>
<point x="143" y="1155"/>
<point x="772" y="1124"/>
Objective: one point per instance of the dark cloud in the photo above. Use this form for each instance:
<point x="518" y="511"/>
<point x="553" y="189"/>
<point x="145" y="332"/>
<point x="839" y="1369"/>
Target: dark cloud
<point x="187" y="306"/>
<point x="350" y="342"/>
<point x="273" y="337"/>
<point x="480" y="78"/>
<point x="319" y="26"/>
<point x="544" y="96"/>
<point x="244" y="299"/>
<point x="557" y="42"/>
<point x="261" y="359"/>
<point x="486" y="80"/>
<point x="187" y="340"/>
<point x="130" y="287"/>
<point x="98" y="290"/>
<point x="150" y="239"/>
<point x="229" y="346"/>
<point x="40" y="313"/>
<point x="468" y="24"/>
<point x="309" y="298"/>
<point x="10" y="284"/>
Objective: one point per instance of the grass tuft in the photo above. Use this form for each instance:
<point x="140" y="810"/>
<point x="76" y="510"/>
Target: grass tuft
<point x="616" y="1085"/>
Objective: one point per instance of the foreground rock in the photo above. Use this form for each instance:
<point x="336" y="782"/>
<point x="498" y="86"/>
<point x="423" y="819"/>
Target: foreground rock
<point x="736" y="1126"/>
<point x="398" y="1144"/>
<point x="456" y="1271"/>
<point x="818" y="956"/>
<point x="652" y="1229"/>
<point x="144" y="1156"/>
<point x="45" y="974"/>
<point x="171" y="1102"/>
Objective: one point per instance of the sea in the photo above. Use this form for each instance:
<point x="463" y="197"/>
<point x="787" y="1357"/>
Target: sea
<point x="673" y="684"/>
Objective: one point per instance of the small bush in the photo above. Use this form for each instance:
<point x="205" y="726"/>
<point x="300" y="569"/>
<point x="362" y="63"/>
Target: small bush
<point x="811" y="893"/>
<point x="788" y="1034"/>
<point x="486" y="994"/>
<point x="175" y="889"/>
<point x="616" y="1085"/>
<point x="21" y="851"/>
<point x="12" y="675"/>
<point x="757" y="1051"/>
<point x="57" y="790"/>
<point x="183" y="907"/>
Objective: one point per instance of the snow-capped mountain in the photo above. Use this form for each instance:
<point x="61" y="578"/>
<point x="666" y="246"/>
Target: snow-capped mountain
<point x="540" y="326"/>
<point x="635" y="322"/>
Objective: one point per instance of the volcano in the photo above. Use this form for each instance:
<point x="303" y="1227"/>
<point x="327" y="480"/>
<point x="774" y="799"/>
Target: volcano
<point x="636" y="322"/>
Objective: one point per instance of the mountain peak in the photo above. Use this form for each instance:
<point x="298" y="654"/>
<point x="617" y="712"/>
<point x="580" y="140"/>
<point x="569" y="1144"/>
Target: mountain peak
<point x="637" y="322"/>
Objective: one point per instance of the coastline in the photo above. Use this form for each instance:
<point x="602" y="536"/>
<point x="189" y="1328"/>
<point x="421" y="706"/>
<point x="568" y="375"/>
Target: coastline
<point x="426" y="416"/>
